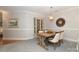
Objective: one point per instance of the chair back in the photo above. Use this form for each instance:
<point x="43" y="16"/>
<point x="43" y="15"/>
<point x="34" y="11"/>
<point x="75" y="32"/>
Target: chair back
<point x="56" y="38"/>
<point x="62" y="35"/>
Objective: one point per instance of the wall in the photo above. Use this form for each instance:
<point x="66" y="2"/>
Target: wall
<point x="26" y="26"/>
<point x="25" y="22"/>
<point x="71" y="27"/>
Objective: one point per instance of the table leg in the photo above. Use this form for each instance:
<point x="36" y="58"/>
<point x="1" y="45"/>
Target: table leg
<point x="43" y="44"/>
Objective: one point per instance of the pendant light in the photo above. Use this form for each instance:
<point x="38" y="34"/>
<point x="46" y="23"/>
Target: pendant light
<point x="50" y="16"/>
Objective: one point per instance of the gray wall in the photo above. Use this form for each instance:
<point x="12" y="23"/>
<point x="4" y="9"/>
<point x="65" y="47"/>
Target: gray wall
<point x="71" y="27"/>
<point x="25" y="22"/>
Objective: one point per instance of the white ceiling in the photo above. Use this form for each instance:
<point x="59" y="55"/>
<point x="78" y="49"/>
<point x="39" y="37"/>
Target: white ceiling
<point x="39" y="9"/>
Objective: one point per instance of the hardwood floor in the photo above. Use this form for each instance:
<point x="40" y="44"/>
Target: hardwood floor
<point x="4" y="42"/>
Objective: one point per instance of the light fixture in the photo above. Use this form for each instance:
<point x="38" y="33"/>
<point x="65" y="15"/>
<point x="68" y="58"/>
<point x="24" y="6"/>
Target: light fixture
<point x="50" y="16"/>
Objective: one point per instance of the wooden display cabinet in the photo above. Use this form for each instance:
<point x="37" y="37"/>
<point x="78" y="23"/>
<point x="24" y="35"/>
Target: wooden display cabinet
<point x="1" y="27"/>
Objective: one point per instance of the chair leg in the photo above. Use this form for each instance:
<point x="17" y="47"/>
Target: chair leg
<point x="54" y="46"/>
<point x="61" y="40"/>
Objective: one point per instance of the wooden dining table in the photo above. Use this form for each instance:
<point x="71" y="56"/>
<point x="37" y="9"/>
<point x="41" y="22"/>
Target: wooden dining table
<point x="42" y="37"/>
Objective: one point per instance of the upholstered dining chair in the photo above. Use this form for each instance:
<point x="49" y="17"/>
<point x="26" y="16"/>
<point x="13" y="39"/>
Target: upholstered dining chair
<point x="61" y="36"/>
<point x="55" y="40"/>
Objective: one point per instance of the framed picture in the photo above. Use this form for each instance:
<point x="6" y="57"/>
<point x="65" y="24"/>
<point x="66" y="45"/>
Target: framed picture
<point x="13" y="23"/>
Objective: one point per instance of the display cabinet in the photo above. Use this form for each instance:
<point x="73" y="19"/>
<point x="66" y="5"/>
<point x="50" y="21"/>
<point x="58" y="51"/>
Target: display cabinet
<point x="1" y="27"/>
<point x="38" y="25"/>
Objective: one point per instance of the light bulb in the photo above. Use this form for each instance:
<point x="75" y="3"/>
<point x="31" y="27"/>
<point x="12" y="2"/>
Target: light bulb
<point x="50" y="18"/>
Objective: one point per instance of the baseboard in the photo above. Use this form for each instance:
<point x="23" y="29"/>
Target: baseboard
<point x="70" y="39"/>
<point x="17" y="38"/>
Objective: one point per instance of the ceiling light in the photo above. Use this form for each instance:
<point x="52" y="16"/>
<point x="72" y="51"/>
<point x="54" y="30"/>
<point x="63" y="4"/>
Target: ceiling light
<point x="50" y="12"/>
<point x="50" y="17"/>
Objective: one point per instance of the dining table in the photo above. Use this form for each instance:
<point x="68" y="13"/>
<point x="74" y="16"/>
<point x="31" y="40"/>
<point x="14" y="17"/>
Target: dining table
<point x="42" y="36"/>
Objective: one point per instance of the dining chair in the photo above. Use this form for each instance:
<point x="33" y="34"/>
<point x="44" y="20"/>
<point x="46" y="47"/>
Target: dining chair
<point x="55" y="41"/>
<point x="61" y="36"/>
